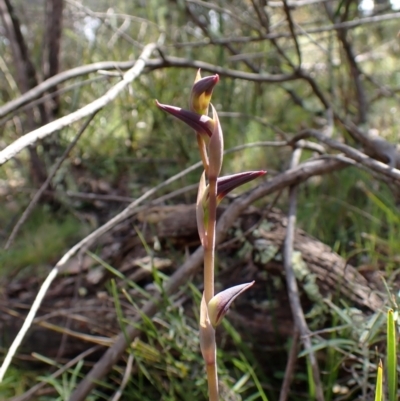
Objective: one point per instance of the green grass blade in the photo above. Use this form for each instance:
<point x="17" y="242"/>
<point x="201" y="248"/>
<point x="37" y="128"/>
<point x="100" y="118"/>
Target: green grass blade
<point x="311" y="383"/>
<point x="391" y="357"/>
<point x="378" y="388"/>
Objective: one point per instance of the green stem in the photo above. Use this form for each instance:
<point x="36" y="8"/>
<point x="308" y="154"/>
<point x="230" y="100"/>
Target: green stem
<point x="209" y="249"/>
<point x="209" y="260"/>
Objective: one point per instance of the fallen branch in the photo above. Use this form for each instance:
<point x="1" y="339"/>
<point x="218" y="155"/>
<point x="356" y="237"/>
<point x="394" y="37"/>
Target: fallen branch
<point x="292" y="287"/>
<point x="152" y="64"/>
<point x="111" y="94"/>
<point x="352" y="153"/>
<point x="42" y="132"/>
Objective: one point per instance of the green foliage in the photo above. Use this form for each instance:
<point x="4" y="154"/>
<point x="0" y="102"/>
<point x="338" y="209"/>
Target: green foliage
<point x="379" y="385"/>
<point x="391" y="360"/>
<point x="41" y="242"/>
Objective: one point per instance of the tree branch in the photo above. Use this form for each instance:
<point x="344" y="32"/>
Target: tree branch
<point x="40" y="133"/>
<point x="111" y="94"/>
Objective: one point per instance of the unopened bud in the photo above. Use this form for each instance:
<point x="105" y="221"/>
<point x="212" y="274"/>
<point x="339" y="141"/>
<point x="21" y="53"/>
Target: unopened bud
<point x="202" y="89"/>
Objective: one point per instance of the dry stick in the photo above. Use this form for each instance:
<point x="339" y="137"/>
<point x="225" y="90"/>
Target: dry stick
<point x="40" y="133"/>
<point x="191" y="265"/>
<point x="44" y="186"/>
<point x="153" y="64"/>
<point x="292" y="31"/>
<point x="106" y="22"/>
<point x="47" y="97"/>
<point x="277" y="35"/>
<point x="58" y="79"/>
<point x="290" y="366"/>
<point x="125" y="379"/>
<point x="83" y="243"/>
<point x="293" y="291"/>
<point x="27" y="396"/>
<point x="181" y="62"/>
<point x="116" y="198"/>
<point x="354" y="154"/>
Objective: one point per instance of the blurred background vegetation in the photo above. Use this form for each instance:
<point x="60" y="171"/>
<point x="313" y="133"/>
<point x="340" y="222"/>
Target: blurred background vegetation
<point x="324" y="63"/>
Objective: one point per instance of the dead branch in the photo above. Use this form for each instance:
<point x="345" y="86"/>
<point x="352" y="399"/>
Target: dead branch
<point x="52" y="40"/>
<point x="26" y="79"/>
<point x="352" y="153"/>
<point x="301" y="32"/>
<point x="293" y="291"/>
<point x="104" y="100"/>
<point x="290" y="367"/>
<point x="46" y="184"/>
<point x="40" y="133"/>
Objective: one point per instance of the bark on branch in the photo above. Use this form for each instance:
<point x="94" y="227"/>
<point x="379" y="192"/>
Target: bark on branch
<point x="40" y="133"/>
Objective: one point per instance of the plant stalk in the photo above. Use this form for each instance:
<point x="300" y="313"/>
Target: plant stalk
<point x="212" y="379"/>
<point x="209" y="260"/>
<point x="209" y="251"/>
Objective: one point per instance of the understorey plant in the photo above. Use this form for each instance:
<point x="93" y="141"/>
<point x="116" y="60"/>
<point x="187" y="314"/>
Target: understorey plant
<point x="212" y="189"/>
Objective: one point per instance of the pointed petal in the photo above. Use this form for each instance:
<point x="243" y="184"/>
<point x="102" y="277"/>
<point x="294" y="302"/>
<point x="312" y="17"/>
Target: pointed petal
<point x="198" y="76"/>
<point x="220" y="303"/>
<point x="202" y="124"/>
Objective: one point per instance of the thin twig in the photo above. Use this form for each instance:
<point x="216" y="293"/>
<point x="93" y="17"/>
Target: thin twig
<point x="292" y="31"/>
<point x="47" y="97"/>
<point x="352" y="153"/>
<point x="42" y="132"/>
<point x="293" y="291"/>
<point x="58" y="79"/>
<point x="111" y="94"/>
<point x="106" y="22"/>
<point x="152" y="64"/>
<point x="290" y="366"/>
<point x="277" y="35"/>
<point x="125" y="379"/>
<point x="33" y="390"/>
<point x="45" y="185"/>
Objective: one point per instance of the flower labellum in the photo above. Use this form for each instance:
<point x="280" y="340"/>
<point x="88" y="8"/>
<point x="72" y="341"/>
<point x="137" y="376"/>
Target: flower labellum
<point x="230" y="182"/>
<point x="220" y="303"/>
<point x="200" y="95"/>
<point x="202" y="124"/>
